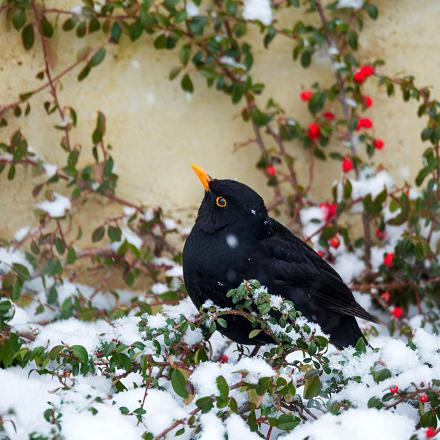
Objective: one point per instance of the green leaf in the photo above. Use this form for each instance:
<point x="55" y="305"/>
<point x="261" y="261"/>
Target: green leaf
<point x="223" y="387"/>
<point x="21" y="271"/>
<point x="312" y="387"/>
<point x="361" y="346"/>
<point x="317" y="102"/>
<point x="114" y="233"/>
<point x="80" y="352"/>
<point x="115" y="32"/>
<point x="222" y="322"/>
<point x="60" y="245"/>
<point x="71" y="255"/>
<point x="187" y="84"/>
<point x="70" y="23"/>
<point x="185" y="54"/>
<point x="98" y="57"/>
<point x="381" y="374"/>
<point x="286" y="422"/>
<point x="404" y="211"/>
<point x="99" y="131"/>
<point x="175" y="71"/>
<point x="197" y="24"/>
<point x="259" y="117"/>
<point x="372" y="10"/>
<point x="306" y="59"/>
<point x="84" y="72"/>
<point x="205" y="404"/>
<point x="18" y="18"/>
<point x="254" y="332"/>
<point x="27" y="36"/>
<point x="98" y="234"/>
<point x="46" y="27"/>
<point x="374" y="402"/>
<point x="178" y="383"/>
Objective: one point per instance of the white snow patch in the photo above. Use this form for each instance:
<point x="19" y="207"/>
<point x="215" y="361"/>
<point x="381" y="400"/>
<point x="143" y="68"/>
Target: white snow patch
<point x="56" y="207"/>
<point x="232" y="240"/>
<point x="355" y="4"/>
<point x="50" y="169"/>
<point x="238" y="430"/>
<point x="21" y="233"/>
<point x="356" y="424"/>
<point x="191" y="10"/>
<point x="258" y="10"/>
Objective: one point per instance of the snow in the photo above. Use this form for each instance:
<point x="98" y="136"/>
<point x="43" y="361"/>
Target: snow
<point x="311" y="219"/>
<point x="88" y="334"/>
<point x="50" y="169"/>
<point x="127" y="235"/>
<point x="371" y="183"/>
<point x="21" y="233"/>
<point x="258" y="10"/>
<point x="356" y="424"/>
<point x="232" y="240"/>
<point x="108" y="423"/>
<point x="161" y="407"/>
<point x="212" y="428"/>
<point x="398" y="357"/>
<point x="355" y="4"/>
<point x="9" y="256"/>
<point x="229" y="61"/>
<point x="238" y="430"/>
<point x="348" y="265"/>
<point x="159" y="288"/>
<point x="174" y="269"/>
<point x="205" y="375"/>
<point x="56" y="207"/>
<point x="192" y="10"/>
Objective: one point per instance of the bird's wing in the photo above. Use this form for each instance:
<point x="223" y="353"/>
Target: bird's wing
<point x="293" y="261"/>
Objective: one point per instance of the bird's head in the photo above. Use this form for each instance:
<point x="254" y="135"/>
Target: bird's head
<point x="228" y="204"/>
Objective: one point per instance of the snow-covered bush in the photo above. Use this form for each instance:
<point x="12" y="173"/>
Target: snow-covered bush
<point x="96" y="360"/>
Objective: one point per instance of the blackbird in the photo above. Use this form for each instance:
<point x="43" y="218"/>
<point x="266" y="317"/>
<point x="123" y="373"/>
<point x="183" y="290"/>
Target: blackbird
<point x="234" y="239"/>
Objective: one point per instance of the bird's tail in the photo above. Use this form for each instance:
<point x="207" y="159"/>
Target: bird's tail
<point x="349" y="334"/>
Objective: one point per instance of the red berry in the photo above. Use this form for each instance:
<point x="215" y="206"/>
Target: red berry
<point x="270" y="170"/>
<point x="329" y="116"/>
<point x="423" y="398"/>
<point x="320" y="253"/>
<point x="364" y="123"/>
<point x="329" y="210"/>
<point x="347" y="164"/>
<point x="334" y="242"/>
<point x="388" y="259"/>
<point x="431" y="432"/>
<point x="367" y="70"/>
<point x="397" y="312"/>
<point x="378" y="144"/>
<point x="223" y="358"/>
<point x="359" y="76"/>
<point x="394" y="389"/>
<point x="385" y="296"/>
<point x="368" y="101"/>
<point x="314" y="131"/>
<point x="380" y="234"/>
<point x="306" y="95"/>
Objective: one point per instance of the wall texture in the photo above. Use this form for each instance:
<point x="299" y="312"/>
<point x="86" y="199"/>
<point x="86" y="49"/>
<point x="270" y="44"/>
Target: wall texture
<point x="157" y="131"/>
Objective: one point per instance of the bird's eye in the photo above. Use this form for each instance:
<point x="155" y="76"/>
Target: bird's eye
<point x="221" y="202"/>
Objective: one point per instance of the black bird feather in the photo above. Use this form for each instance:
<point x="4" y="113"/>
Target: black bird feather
<point x="239" y="241"/>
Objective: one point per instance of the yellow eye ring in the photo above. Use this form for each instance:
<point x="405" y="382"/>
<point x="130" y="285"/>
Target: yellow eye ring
<point x="221" y="202"/>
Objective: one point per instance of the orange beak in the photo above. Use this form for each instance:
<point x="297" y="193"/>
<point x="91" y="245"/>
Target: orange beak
<point x="202" y="175"/>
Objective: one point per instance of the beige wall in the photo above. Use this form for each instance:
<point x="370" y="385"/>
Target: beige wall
<point x="156" y="131"/>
